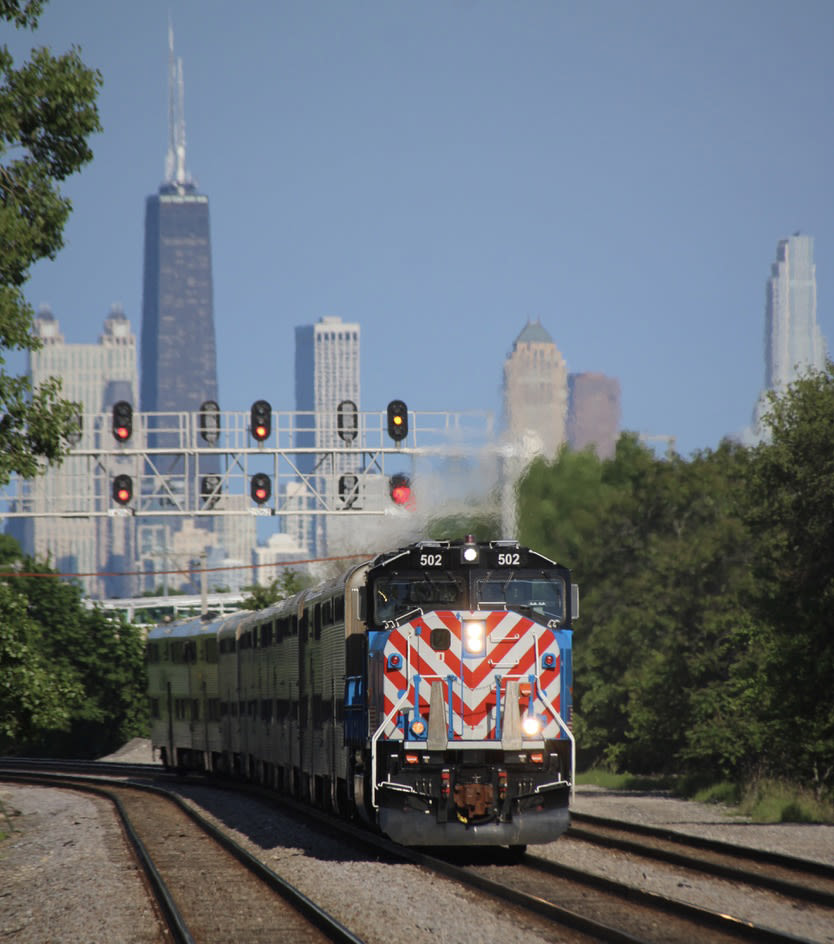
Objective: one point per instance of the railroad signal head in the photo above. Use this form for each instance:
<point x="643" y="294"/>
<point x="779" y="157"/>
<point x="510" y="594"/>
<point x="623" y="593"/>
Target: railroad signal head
<point x="349" y="489"/>
<point x="260" y="488"/>
<point x="260" y="418"/>
<point x="399" y="487"/>
<point x="397" y="420"/>
<point x="122" y="489"/>
<point x="210" y="490"/>
<point x="122" y="421"/>
<point x="347" y="421"/>
<point x="210" y="421"/>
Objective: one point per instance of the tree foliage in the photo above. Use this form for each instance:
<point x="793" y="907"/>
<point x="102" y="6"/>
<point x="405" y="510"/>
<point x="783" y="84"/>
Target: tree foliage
<point x="47" y="114"/>
<point x="72" y="679"/>
<point x="705" y="643"/>
<point x="286" y="585"/>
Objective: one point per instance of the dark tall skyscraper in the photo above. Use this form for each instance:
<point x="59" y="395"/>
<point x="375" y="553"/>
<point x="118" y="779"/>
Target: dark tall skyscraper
<point x="179" y="359"/>
<point x="178" y="356"/>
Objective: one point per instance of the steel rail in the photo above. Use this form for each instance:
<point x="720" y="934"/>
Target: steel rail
<point x="174" y="921"/>
<point x="318" y="917"/>
<point x="793" y="889"/>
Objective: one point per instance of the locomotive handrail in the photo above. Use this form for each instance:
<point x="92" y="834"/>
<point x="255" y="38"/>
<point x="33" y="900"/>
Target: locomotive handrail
<point x="376" y="736"/>
<point x="560" y="721"/>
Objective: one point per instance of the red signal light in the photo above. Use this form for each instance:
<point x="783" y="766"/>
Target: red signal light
<point x="122" y="421"/>
<point x="399" y="487"/>
<point x="401" y="494"/>
<point x="260" y="488"/>
<point x="260" y="420"/>
<point x="122" y="489"/>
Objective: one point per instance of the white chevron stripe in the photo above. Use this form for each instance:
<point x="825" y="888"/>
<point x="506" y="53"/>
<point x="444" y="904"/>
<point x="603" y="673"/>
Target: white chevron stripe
<point x="511" y="653"/>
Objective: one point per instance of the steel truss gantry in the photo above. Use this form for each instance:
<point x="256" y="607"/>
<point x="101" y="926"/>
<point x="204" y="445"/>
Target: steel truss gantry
<point x="174" y="470"/>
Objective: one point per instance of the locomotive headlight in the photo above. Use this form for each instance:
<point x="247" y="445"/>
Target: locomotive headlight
<point x="474" y="634"/>
<point x="531" y="726"/>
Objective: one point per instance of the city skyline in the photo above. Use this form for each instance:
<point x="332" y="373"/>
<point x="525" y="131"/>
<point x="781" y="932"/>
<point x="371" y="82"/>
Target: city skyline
<point x="442" y="174"/>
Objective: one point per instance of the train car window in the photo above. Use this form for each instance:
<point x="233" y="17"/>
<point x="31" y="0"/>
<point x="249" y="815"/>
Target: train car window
<point x="327" y="613"/>
<point x="317" y="621"/>
<point x="294" y="625"/>
<point x="152" y="652"/>
<point x="154" y="707"/>
<point x="304" y="623"/>
<point x="211" y="651"/>
<point x="339" y="610"/>
<point x="266" y="635"/>
<point x="397" y="595"/>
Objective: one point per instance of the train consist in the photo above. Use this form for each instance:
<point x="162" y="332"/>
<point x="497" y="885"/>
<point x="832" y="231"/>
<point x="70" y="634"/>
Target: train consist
<point x="427" y="691"/>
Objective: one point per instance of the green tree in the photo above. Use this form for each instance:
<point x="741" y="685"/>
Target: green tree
<point x="33" y="695"/>
<point x="662" y="555"/>
<point x="288" y="584"/>
<point x="560" y="503"/>
<point x="791" y="513"/>
<point x="94" y="662"/>
<point x="47" y="113"/>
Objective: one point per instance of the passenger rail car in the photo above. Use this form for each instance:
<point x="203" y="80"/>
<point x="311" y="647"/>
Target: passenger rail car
<point x="427" y="691"/>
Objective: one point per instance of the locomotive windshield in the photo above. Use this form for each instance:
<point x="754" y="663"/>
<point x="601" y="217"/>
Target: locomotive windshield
<point x="532" y="593"/>
<point x="401" y="593"/>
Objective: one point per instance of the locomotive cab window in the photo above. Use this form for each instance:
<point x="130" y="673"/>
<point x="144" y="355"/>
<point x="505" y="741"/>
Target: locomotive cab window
<point x="401" y="593"/>
<point x="536" y="593"/>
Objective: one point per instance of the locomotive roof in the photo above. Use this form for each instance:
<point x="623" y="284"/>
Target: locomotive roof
<point x="389" y="556"/>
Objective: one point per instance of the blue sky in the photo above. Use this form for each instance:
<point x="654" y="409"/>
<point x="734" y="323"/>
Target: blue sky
<point x="441" y="171"/>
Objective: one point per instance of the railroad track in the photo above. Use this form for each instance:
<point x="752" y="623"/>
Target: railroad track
<point x="191" y="866"/>
<point x="798" y="879"/>
<point x="595" y="909"/>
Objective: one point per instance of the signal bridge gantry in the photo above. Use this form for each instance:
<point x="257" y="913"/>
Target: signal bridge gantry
<point x="257" y="462"/>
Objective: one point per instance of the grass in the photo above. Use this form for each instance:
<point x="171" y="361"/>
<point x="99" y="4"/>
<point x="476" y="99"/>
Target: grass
<point x="598" y="777"/>
<point x="776" y="801"/>
<point x="764" y="801"/>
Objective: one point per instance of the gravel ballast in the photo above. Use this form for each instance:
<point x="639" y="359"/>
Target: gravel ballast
<point x="66" y="873"/>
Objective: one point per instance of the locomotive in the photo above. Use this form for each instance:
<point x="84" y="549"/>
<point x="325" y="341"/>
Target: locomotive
<point x="426" y="691"/>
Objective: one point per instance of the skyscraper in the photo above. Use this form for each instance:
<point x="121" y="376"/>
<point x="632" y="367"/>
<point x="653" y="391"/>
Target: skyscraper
<point x="179" y="360"/>
<point x="96" y="376"/>
<point x="593" y="412"/>
<point x="178" y="356"/>
<point x="326" y="374"/>
<point x="793" y="340"/>
<point x="536" y="390"/>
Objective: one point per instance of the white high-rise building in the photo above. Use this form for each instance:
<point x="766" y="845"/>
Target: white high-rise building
<point x="793" y="340"/>
<point x="326" y="375"/>
<point x="96" y="376"/>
